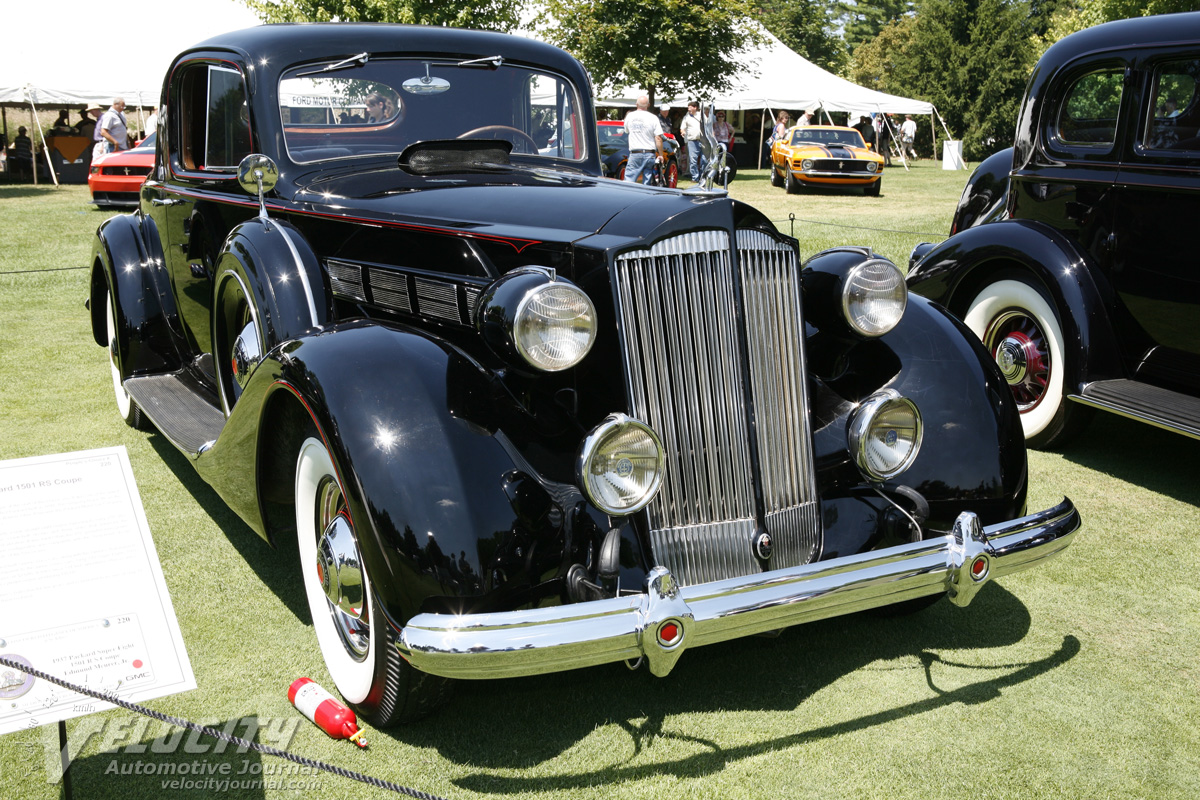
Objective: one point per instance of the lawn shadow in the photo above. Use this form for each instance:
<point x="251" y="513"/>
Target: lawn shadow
<point x="16" y="191"/>
<point x="547" y="715"/>
<point x="1138" y="453"/>
<point x="277" y="567"/>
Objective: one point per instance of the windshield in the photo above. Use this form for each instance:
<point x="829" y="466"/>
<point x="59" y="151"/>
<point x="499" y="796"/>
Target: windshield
<point x="384" y="105"/>
<point x="849" y="138"/>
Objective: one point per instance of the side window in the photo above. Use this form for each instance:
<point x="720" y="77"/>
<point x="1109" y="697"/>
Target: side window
<point x="1088" y="115"/>
<point x="553" y="123"/>
<point x="1174" y="117"/>
<point x="213" y="117"/>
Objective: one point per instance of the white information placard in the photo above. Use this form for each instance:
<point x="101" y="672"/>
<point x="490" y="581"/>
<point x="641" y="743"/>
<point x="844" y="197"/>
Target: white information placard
<point x="83" y="597"/>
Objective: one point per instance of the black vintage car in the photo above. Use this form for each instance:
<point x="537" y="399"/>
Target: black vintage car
<point x="1069" y="257"/>
<point x="521" y="418"/>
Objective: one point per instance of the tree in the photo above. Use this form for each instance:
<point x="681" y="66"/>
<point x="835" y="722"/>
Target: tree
<point x="1070" y="16"/>
<point x="671" y="47"/>
<point x="970" y="58"/>
<point x="863" y="20"/>
<point x="807" y="27"/>
<point x="498" y="15"/>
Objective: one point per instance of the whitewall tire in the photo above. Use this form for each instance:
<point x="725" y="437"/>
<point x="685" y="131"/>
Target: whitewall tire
<point x="1020" y="329"/>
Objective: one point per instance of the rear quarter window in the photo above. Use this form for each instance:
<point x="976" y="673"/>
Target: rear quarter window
<point x="1087" y="115"/>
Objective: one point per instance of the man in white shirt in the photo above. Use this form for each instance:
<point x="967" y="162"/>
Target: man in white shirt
<point x="908" y="133"/>
<point x="690" y="127"/>
<point x="644" y="135"/>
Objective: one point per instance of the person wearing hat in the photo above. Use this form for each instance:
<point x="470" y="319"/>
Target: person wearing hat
<point x="664" y="118"/>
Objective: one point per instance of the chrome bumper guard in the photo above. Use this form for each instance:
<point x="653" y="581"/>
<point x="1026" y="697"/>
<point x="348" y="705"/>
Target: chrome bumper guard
<point x="666" y="619"/>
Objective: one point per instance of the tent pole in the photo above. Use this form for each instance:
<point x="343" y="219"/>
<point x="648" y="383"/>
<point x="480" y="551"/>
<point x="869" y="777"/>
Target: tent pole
<point x="933" y="135"/>
<point x="762" y="131"/>
<point x="45" y="147"/>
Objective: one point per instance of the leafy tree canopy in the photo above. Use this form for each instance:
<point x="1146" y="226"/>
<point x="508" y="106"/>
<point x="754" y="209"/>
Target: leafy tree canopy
<point x="672" y="48"/>
<point x="863" y="20"/>
<point x="970" y="58"/>
<point x="1074" y="15"/>
<point x="807" y="27"/>
<point x="498" y="15"/>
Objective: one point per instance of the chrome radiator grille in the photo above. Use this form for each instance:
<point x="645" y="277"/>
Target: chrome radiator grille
<point x="709" y="345"/>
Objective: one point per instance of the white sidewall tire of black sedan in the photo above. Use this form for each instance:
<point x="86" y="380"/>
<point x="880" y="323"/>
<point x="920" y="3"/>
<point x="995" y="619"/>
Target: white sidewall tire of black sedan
<point x="129" y="410"/>
<point x="381" y="686"/>
<point x="353" y="677"/>
<point x="1045" y="421"/>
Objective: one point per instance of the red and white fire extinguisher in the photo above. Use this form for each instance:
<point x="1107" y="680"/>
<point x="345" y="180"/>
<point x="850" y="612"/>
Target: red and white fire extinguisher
<point x="320" y="707"/>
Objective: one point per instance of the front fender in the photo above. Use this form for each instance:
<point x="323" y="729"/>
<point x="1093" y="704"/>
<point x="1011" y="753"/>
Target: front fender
<point x="282" y="271"/>
<point x="127" y="257"/>
<point x="954" y="272"/>
<point x="448" y="512"/>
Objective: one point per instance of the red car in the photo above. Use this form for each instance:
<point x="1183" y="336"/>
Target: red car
<point x="116" y="179"/>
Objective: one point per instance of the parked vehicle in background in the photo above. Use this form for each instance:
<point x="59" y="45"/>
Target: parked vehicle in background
<point x="825" y="155"/>
<point x="1069" y="254"/>
<point x="520" y="418"/>
<point x="116" y="178"/>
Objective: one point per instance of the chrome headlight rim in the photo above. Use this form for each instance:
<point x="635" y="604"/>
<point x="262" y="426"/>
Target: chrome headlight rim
<point x="862" y="422"/>
<point x="806" y="165"/>
<point x="848" y="286"/>
<point x="522" y="308"/>
<point x="872" y="166"/>
<point x="598" y="436"/>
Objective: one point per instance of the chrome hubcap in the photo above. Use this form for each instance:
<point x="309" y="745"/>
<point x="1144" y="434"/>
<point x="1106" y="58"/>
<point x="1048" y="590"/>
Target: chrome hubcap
<point x="339" y="571"/>
<point x="1022" y="352"/>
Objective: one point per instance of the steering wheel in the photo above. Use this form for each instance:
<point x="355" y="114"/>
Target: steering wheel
<point x="482" y="133"/>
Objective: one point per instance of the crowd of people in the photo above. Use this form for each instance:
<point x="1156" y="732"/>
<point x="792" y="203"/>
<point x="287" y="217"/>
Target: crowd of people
<point x="645" y="134"/>
<point x="886" y="134"/>
<point x="107" y="129"/>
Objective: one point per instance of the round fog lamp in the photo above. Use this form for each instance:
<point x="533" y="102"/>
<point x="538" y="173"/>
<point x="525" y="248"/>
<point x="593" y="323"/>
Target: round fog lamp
<point x="874" y="297"/>
<point x="872" y="166"/>
<point x="621" y="465"/>
<point x="884" y="434"/>
<point x="806" y="164"/>
<point x="555" y="326"/>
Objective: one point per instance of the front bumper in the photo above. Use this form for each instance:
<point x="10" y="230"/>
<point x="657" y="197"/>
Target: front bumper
<point x="666" y="619"/>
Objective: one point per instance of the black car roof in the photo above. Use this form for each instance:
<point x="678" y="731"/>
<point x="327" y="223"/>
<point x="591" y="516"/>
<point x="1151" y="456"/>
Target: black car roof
<point x="273" y="47"/>
<point x="1160" y="29"/>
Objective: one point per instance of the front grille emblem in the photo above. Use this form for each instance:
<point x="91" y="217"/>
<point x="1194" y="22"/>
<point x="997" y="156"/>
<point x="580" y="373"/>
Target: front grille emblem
<point x="762" y="546"/>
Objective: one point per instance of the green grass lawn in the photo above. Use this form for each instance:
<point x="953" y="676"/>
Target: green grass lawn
<point x="1079" y="679"/>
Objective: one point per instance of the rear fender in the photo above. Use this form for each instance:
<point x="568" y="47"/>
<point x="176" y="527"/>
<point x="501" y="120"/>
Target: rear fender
<point x="953" y="273"/>
<point x="127" y="257"/>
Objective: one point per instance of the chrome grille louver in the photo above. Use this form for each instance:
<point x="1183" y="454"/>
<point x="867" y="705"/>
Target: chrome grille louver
<point x="710" y="345"/>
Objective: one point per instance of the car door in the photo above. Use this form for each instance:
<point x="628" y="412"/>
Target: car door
<point x="1155" y="270"/>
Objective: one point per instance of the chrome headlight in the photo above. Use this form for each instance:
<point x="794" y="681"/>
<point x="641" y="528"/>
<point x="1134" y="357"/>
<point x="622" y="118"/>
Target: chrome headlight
<point x="806" y="164"/>
<point x="872" y="166"/>
<point x="534" y="315"/>
<point x="884" y="434"/>
<point x="621" y="465"/>
<point x="555" y="326"/>
<point x="874" y="297"/>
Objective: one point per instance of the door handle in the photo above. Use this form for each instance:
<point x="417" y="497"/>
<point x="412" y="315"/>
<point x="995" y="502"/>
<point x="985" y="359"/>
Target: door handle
<point x="170" y="201"/>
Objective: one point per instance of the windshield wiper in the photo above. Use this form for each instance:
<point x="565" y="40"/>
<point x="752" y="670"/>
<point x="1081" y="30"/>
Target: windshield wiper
<point x="353" y="61"/>
<point x="487" y="61"/>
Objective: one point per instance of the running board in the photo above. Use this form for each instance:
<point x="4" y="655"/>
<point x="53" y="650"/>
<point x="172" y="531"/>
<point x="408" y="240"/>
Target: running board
<point x="1163" y="408"/>
<point x="179" y="410"/>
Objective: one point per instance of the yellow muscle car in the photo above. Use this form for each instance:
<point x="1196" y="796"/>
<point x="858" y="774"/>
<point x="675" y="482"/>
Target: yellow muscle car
<point x="825" y="155"/>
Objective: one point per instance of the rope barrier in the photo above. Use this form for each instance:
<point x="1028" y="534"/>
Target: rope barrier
<point x="55" y="269"/>
<point x="793" y="219"/>
<point x="111" y="697"/>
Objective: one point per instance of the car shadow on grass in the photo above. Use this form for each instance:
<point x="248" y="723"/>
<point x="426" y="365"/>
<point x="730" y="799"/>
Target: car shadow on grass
<point x="547" y="715"/>
<point x="1141" y="454"/>
<point x="277" y="567"/>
